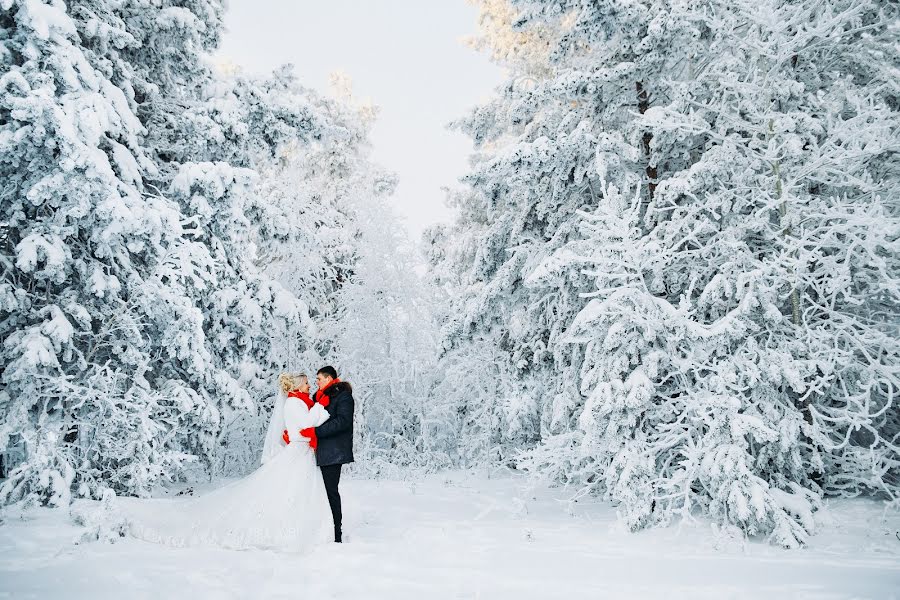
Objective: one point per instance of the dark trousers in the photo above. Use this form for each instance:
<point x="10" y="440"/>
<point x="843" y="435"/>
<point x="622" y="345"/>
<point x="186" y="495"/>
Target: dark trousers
<point x="331" y="475"/>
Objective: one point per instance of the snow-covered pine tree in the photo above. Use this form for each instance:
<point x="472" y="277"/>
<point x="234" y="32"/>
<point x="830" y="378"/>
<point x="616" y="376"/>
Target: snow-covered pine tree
<point x="83" y="247"/>
<point x="735" y="167"/>
<point x="134" y="318"/>
<point x="741" y="347"/>
<point x="532" y="171"/>
<point x="236" y="126"/>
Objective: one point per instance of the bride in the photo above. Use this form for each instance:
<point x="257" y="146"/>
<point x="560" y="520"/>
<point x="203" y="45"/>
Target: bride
<point x="282" y="505"/>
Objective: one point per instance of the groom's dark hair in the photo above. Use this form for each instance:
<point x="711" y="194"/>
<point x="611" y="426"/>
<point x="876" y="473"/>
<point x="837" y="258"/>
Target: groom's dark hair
<point x="329" y="370"/>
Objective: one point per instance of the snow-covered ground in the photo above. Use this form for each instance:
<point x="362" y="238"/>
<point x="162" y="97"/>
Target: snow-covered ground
<point x="460" y="535"/>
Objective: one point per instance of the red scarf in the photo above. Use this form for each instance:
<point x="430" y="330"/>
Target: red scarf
<point x="301" y="396"/>
<point x="321" y="392"/>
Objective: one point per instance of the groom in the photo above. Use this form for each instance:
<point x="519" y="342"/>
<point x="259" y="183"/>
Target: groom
<point x="333" y="439"/>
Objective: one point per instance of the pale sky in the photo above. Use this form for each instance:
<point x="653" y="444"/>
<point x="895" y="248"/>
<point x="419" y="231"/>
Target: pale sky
<point x="407" y="56"/>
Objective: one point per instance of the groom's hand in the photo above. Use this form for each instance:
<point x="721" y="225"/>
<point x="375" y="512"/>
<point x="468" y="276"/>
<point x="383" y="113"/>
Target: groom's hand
<point x="286" y="437"/>
<point x="310" y="432"/>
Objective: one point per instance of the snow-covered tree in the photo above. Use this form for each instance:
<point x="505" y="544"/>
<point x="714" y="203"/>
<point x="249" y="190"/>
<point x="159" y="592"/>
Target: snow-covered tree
<point x="385" y="340"/>
<point x="532" y="171"/>
<point x="353" y="263"/>
<point x="135" y="319"/>
<point x="237" y="127"/>
<point x="735" y="195"/>
<point x="83" y="247"/>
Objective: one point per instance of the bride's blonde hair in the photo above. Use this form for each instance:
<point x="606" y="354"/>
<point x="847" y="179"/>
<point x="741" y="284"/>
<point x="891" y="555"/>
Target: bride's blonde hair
<point x="291" y="381"/>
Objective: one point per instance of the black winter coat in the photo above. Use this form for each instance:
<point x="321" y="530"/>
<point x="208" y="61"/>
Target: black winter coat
<point x="336" y="434"/>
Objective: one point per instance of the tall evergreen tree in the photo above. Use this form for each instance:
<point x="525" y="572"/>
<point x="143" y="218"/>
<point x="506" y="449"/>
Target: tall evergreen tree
<point x="135" y="318"/>
<point x="733" y="198"/>
<point x="84" y="247"/>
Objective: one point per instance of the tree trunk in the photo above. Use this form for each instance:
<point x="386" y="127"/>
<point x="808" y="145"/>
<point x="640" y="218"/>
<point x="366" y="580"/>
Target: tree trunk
<point x="652" y="174"/>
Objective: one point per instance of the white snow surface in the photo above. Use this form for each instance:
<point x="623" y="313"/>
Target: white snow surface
<point x="464" y="535"/>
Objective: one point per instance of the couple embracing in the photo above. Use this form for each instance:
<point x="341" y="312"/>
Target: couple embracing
<point x="328" y="431"/>
<point x="291" y="501"/>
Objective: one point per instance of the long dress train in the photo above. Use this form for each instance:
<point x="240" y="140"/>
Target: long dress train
<point x="282" y="505"/>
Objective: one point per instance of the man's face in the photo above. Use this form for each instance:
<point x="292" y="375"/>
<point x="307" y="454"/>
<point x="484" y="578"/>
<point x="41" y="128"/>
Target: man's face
<point x="322" y="380"/>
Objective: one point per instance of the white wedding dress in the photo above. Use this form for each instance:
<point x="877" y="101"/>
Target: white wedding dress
<point x="282" y="505"/>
